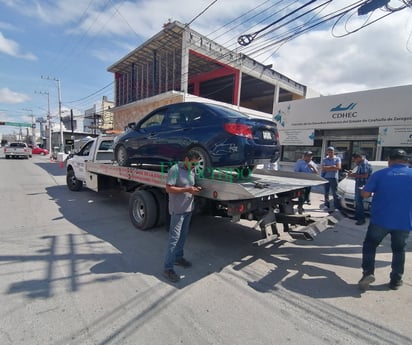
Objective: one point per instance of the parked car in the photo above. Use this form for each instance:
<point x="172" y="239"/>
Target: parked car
<point x="346" y="188"/>
<point x="17" y="150"/>
<point x="37" y="150"/>
<point x="223" y="137"/>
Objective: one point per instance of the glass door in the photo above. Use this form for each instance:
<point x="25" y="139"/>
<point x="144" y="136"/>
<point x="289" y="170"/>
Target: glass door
<point x="345" y="148"/>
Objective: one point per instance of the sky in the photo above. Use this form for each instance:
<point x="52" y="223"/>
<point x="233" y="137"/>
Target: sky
<point x="52" y="45"/>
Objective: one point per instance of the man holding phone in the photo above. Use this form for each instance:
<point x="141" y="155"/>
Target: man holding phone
<point x="181" y="189"/>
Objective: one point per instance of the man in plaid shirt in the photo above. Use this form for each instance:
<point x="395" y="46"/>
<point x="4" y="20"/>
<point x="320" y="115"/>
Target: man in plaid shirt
<point x="363" y="171"/>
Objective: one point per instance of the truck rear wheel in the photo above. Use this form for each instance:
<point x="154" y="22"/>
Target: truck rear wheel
<point x="162" y="210"/>
<point x="143" y="209"/>
<point x="72" y="182"/>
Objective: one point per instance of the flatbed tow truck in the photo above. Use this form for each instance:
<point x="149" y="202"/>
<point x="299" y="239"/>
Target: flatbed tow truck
<point x="266" y="196"/>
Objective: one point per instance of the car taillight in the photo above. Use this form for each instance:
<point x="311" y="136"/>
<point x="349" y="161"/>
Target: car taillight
<point x="239" y="129"/>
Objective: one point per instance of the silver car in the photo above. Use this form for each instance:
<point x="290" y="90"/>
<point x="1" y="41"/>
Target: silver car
<point x="346" y="188"/>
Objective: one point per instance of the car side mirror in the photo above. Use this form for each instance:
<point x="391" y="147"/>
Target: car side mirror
<point x="131" y="125"/>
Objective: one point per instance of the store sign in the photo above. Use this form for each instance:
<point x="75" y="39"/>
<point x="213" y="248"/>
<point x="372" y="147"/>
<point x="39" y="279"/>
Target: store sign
<point x="297" y="137"/>
<point x="373" y="108"/>
<point x="395" y="136"/>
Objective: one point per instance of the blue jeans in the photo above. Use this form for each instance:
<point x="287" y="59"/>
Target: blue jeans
<point x="374" y="237"/>
<point x="332" y="186"/>
<point x="179" y="227"/>
<point x="359" y="210"/>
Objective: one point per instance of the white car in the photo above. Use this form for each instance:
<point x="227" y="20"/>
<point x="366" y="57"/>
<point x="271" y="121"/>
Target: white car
<point x="346" y="188"/>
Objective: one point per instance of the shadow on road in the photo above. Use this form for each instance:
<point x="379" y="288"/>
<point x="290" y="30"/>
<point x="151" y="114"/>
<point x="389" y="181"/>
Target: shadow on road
<point x="213" y="245"/>
<point x="52" y="168"/>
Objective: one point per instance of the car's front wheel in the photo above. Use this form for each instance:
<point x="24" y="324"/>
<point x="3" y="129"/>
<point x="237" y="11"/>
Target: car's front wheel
<point x="122" y="157"/>
<point x="72" y="182"/>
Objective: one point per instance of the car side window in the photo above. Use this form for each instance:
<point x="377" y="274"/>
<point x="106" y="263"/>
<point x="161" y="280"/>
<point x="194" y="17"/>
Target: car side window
<point x="106" y="145"/>
<point x="176" y="119"/>
<point x="155" y="120"/>
<point x="86" y="149"/>
<point x="196" y="117"/>
<point x="186" y="114"/>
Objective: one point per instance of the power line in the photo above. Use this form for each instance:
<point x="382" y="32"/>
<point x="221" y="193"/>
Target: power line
<point x="210" y="5"/>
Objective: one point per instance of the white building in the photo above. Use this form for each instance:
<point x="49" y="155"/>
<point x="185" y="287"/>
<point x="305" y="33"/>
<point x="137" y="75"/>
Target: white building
<point x="372" y="122"/>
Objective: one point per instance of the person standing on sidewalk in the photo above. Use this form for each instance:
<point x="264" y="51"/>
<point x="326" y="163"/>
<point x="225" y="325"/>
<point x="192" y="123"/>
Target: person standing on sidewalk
<point x="331" y="166"/>
<point x="363" y="171"/>
<point x="181" y="189"/>
<point x="306" y="165"/>
<point x="391" y="213"/>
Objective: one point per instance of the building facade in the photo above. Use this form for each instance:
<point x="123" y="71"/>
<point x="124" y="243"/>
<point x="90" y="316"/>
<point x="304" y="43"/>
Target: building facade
<point x="179" y="61"/>
<point x="372" y="122"/>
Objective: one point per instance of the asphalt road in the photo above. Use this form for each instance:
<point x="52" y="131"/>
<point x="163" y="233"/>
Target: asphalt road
<point x="75" y="271"/>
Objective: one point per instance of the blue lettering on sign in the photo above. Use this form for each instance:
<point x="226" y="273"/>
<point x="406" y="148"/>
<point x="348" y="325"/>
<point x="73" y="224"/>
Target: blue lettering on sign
<point x="339" y="107"/>
<point x="348" y="115"/>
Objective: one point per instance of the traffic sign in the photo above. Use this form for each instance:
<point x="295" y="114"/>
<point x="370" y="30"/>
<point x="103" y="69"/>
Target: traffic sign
<point x="15" y="124"/>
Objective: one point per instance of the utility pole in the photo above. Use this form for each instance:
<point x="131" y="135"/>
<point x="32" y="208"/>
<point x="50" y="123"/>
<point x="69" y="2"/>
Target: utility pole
<point x="60" y="109"/>
<point x="33" y="125"/>
<point x="48" y="118"/>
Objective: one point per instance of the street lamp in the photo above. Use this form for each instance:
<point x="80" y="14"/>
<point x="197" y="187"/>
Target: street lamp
<point x="60" y="109"/>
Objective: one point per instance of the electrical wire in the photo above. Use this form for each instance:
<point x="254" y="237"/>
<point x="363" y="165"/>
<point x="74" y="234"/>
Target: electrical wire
<point x="246" y="39"/>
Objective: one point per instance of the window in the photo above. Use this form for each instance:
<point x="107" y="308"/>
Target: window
<point x="86" y="149"/>
<point x="154" y="120"/>
<point x="106" y="145"/>
<point x="291" y="153"/>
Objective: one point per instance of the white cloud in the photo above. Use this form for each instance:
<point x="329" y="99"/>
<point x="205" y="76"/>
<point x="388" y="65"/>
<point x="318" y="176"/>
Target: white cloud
<point x="11" y="97"/>
<point x="10" y="47"/>
<point x="373" y="57"/>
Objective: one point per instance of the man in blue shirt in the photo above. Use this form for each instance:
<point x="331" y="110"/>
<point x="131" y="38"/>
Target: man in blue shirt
<point x="391" y="213"/>
<point x="363" y="171"/>
<point x="331" y="165"/>
<point x="306" y="165"/>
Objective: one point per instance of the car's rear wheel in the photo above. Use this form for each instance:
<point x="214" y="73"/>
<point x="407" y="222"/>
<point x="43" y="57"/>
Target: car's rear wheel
<point x="204" y="168"/>
<point x="122" y="157"/>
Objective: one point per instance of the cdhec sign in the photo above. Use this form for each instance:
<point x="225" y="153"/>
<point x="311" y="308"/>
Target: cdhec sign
<point x="344" y="112"/>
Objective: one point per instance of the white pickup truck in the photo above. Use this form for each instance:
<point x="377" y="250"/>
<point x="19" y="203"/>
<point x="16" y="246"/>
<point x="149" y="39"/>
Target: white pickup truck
<point x="17" y="149"/>
<point x="267" y="197"/>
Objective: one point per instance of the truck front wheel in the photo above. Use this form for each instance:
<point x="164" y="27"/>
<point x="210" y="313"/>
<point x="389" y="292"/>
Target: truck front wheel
<point x="143" y="209"/>
<point x="72" y="182"/>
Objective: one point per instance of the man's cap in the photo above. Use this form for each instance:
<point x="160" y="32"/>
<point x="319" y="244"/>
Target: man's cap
<point x="330" y="148"/>
<point x="357" y="155"/>
<point x="398" y="154"/>
<point x="308" y="153"/>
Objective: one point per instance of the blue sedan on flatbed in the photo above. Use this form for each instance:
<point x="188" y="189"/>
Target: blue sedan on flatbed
<point x="223" y="137"/>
